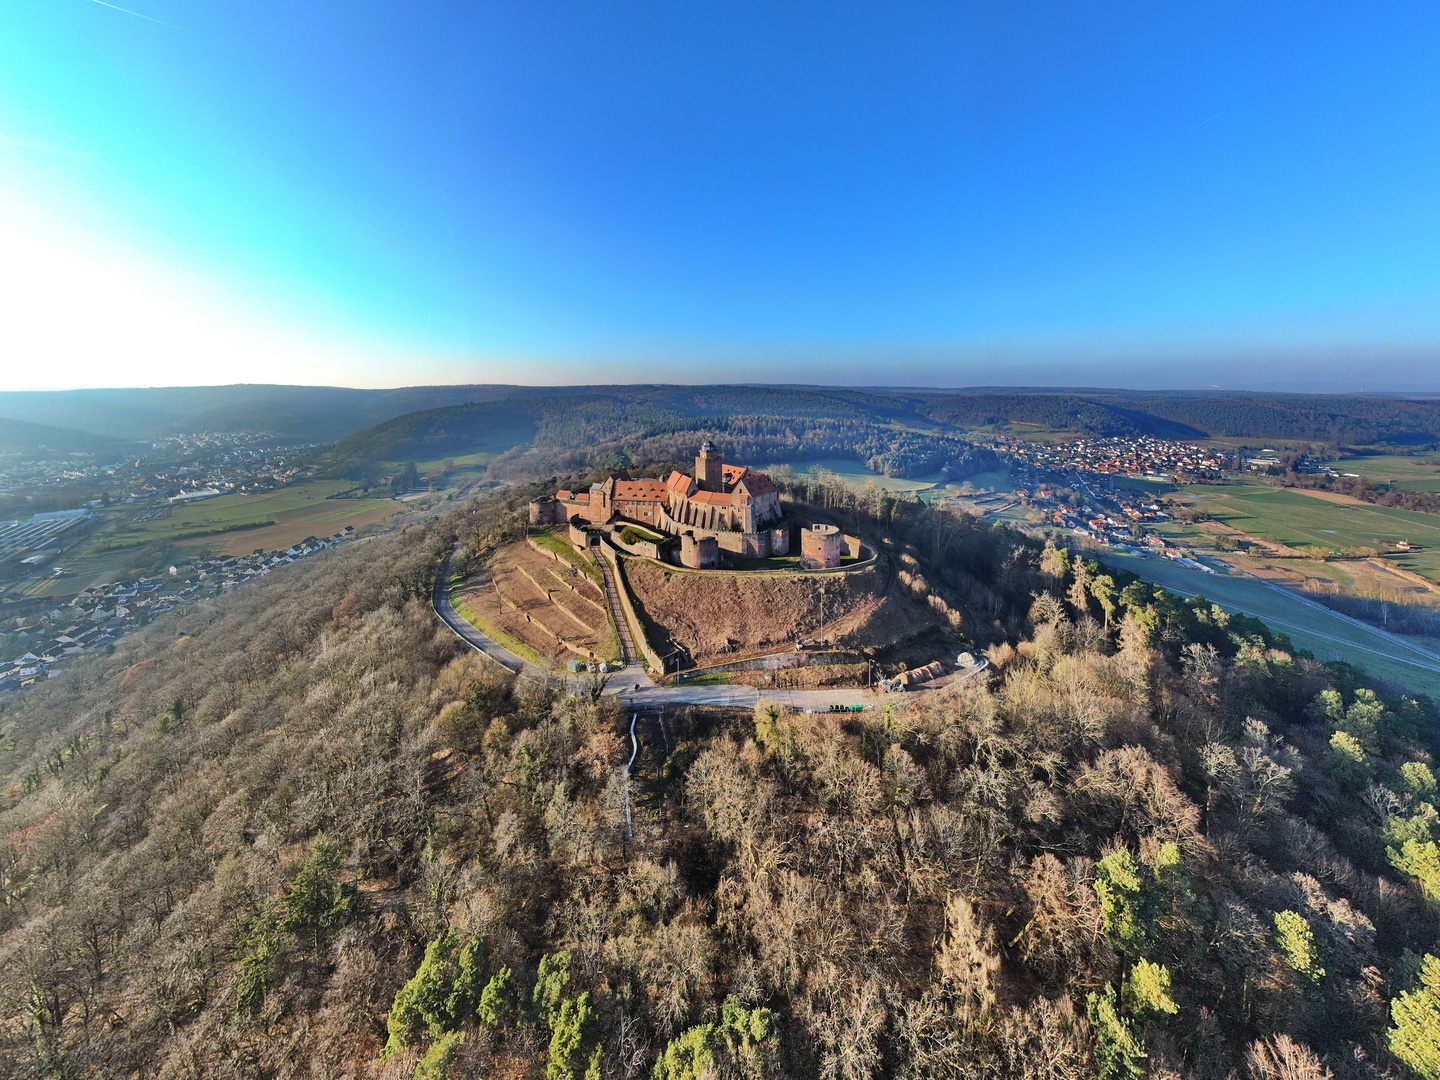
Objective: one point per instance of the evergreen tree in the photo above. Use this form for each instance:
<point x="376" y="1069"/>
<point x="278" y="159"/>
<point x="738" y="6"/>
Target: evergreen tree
<point x="441" y="996"/>
<point x="1297" y="944"/>
<point x="497" y="999"/>
<point x="1146" y="993"/>
<point x="572" y="1056"/>
<point x="1129" y="902"/>
<point x="1119" y="1051"/>
<point x="1419" y="780"/>
<point x="435" y="1065"/>
<point x="318" y="898"/>
<point x="1415" y="1038"/>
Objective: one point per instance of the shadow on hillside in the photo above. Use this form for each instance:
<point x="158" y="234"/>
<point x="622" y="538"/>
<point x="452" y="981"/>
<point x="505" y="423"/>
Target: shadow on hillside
<point x="1414" y="619"/>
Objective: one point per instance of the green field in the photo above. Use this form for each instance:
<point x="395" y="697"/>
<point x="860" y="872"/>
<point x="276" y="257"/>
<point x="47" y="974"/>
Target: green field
<point x="1302" y="521"/>
<point x="1418" y="473"/>
<point x="465" y="469"/>
<point x="459" y="461"/>
<point x="304" y="502"/>
<point x="562" y="546"/>
<point x="934" y="485"/>
<point x="1326" y="634"/>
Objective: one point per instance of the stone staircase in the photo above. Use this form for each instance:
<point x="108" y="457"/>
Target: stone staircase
<point x="617" y="613"/>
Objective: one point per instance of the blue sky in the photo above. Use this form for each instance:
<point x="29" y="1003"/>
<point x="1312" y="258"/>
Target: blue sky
<point x="1176" y="194"/>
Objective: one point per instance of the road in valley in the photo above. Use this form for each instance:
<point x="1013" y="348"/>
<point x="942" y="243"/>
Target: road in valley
<point x="1328" y="634"/>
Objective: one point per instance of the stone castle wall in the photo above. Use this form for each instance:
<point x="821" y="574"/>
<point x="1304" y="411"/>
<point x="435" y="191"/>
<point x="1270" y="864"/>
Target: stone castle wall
<point x="754" y="545"/>
<point x="699" y="552"/>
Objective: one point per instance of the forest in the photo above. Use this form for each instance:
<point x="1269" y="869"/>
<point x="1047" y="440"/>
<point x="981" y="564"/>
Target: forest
<point x="298" y="831"/>
<point x="1326" y="419"/>
<point x="418" y="423"/>
<point x="1058" y="412"/>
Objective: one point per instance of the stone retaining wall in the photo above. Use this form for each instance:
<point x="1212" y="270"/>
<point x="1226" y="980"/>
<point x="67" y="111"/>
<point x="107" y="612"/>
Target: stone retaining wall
<point x="637" y="628"/>
<point x="776" y="661"/>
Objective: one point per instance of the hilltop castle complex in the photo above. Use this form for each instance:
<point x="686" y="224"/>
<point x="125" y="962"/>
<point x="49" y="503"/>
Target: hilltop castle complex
<point x="722" y="507"/>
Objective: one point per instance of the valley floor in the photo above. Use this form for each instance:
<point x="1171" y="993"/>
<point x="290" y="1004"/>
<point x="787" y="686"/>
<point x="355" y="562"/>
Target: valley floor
<point x="1328" y="634"/>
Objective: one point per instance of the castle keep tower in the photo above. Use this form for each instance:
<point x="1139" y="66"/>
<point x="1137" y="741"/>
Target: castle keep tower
<point x="709" y="474"/>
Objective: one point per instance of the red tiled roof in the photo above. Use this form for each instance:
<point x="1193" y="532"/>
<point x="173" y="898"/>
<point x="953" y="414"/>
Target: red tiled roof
<point x="722" y="498"/>
<point x="678" y="482"/>
<point x="732" y="473"/>
<point x="757" y="484"/>
<point x="645" y="490"/>
<point x="573" y="496"/>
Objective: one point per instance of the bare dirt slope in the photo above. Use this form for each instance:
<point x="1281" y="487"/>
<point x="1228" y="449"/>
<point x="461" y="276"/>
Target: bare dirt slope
<point x="717" y="616"/>
<point x="544" y="604"/>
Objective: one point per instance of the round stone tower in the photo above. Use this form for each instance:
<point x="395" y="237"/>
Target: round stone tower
<point x="821" y="547"/>
<point x="699" y="552"/>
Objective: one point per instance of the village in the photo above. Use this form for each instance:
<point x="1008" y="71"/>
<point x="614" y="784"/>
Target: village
<point x="1140" y="456"/>
<point x="45" y="634"/>
<point x="198" y="461"/>
<point x="1074" y="485"/>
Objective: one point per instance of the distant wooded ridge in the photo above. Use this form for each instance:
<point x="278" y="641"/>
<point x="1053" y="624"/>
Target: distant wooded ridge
<point x="411" y="422"/>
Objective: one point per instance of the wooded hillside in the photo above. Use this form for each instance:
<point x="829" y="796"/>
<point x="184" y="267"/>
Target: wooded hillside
<point x="297" y="832"/>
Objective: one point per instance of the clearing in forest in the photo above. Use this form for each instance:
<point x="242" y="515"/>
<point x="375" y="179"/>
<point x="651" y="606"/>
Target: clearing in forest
<point x="718" y="617"/>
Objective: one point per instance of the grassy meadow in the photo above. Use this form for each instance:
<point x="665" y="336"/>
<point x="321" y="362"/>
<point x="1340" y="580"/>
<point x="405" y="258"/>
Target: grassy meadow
<point x="1418" y="473"/>
<point x="1302" y="520"/>
<point x="252" y="520"/>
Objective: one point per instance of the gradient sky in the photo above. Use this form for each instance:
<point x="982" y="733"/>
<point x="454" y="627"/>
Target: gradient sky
<point x="1157" y="194"/>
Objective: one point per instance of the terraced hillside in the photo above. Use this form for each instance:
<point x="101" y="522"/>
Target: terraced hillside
<point x="546" y="604"/>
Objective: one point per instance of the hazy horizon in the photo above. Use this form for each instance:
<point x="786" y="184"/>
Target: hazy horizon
<point x="1416" y="382"/>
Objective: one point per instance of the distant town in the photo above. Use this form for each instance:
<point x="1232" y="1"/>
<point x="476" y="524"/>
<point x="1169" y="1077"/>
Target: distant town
<point x="47" y="634"/>
<point x="42" y="631"/>
<point x="1074" y="484"/>
<point x="166" y="467"/>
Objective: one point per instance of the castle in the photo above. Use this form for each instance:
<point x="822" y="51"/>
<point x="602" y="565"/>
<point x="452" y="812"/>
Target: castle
<point x="722" y="507"/>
